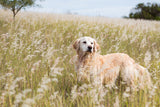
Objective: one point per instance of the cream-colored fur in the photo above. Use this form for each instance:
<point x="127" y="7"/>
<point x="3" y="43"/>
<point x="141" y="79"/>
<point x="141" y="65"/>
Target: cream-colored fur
<point x="105" y="69"/>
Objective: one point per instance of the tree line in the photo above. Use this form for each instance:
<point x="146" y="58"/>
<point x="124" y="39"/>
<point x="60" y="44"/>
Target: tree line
<point x="149" y="11"/>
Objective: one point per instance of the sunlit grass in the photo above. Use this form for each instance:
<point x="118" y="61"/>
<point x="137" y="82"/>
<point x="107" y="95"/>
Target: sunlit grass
<point x="36" y="49"/>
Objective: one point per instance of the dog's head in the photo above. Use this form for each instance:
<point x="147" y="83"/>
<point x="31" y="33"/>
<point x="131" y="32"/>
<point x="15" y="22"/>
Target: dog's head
<point x="85" y="45"/>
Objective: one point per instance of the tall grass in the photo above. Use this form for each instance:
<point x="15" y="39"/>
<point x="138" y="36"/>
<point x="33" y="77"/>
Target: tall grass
<point x="36" y="49"/>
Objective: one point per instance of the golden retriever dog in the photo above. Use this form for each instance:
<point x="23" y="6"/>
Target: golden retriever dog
<point x="106" y="69"/>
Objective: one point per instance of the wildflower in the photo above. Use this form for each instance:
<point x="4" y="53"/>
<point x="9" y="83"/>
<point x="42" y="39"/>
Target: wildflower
<point x="147" y="58"/>
<point x="26" y="105"/>
<point x="29" y="101"/>
<point x="155" y="53"/>
<point x="74" y="92"/>
<point x="148" y="104"/>
<point x="28" y="58"/>
<point x="53" y="96"/>
<point x="125" y="94"/>
<point x="143" y="42"/>
<point x="35" y="66"/>
<point x="116" y="104"/>
<point x="55" y="80"/>
<point x="26" y="91"/>
<point x="8" y="74"/>
<point x="18" y="98"/>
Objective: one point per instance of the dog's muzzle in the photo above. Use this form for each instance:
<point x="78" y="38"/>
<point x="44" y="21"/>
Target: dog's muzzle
<point x="89" y="49"/>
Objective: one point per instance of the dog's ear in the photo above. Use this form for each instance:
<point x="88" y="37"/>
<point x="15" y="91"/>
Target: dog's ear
<point x="96" y="46"/>
<point x="76" y="44"/>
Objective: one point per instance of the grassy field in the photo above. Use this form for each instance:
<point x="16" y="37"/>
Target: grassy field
<point x="35" y="51"/>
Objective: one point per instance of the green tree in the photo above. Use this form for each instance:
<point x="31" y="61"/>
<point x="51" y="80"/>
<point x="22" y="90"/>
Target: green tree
<point x="146" y="11"/>
<point x="16" y="5"/>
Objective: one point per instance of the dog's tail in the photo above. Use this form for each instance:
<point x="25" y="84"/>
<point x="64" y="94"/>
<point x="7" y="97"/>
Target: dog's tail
<point x="144" y="77"/>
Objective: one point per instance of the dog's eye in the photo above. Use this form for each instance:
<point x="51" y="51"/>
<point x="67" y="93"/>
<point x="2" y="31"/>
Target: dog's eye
<point x="84" y="42"/>
<point x="91" y="42"/>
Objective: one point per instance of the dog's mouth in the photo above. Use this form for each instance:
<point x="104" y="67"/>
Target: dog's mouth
<point x="89" y="51"/>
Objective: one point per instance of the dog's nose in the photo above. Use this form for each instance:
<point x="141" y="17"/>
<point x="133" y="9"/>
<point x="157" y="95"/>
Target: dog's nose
<point x="89" y="47"/>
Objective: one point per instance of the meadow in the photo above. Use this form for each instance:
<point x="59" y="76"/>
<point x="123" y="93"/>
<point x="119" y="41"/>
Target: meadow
<point x="35" y="53"/>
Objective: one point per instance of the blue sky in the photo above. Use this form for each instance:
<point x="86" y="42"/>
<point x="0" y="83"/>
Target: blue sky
<point x="107" y="8"/>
